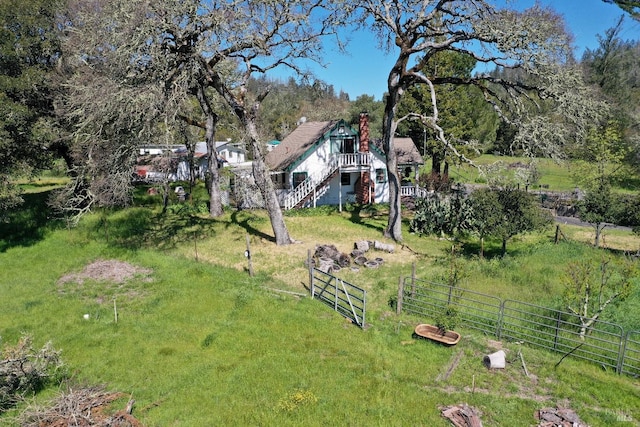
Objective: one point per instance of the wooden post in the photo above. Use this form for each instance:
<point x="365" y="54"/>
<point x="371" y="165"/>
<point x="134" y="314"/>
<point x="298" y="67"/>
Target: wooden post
<point x="340" y="193"/>
<point x="195" y="244"/>
<point x="115" y="310"/>
<point x="524" y="366"/>
<point x="310" y="266"/>
<point x="413" y="280"/>
<point x="248" y="255"/>
<point x="400" y="294"/>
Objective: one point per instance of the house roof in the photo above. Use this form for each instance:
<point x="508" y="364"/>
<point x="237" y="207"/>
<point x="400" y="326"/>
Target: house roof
<point x="297" y="143"/>
<point x="201" y="148"/>
<point x="407" y="152"/>
<point x="303" y="138"/>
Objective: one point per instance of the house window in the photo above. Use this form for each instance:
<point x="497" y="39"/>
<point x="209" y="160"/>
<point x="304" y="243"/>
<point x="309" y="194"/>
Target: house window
<point x="348" y="146"/>
<point x="345" y="178"/>
<point x="298" y="178"/>
<point x="380" y="176"/>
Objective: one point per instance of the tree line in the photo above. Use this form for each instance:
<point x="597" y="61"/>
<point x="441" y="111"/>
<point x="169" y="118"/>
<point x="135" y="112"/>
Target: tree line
<point x="90" y="82"/>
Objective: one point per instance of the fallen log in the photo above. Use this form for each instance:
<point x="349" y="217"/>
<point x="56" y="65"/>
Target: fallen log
<point x="380" y="246"/>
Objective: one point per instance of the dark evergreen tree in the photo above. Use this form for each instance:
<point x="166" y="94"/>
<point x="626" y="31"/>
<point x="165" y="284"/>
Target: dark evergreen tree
<point x="29" y="51"/>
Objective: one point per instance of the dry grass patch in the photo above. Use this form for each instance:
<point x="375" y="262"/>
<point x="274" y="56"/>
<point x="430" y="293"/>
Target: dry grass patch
<point x="610" y="238"/>
<point x="287" y="263"/>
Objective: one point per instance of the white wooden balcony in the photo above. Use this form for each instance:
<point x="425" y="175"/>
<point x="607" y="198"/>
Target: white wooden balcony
<point x="354" y="161"/>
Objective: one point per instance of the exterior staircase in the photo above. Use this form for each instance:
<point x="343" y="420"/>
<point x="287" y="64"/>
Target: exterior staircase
<point x="318" y="184"/>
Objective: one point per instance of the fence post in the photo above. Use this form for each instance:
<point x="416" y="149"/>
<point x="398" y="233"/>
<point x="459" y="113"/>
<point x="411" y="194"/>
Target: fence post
<point x="413" y="280"/>
<point x="400" y="295"/>
<point x="248" y="255"/>
<point x="310" y="266"/>
<point x="622" y="351"/>
<point x="364" y="307"/>
<point x="500" y="320"/>
<point x="555" y="338"/>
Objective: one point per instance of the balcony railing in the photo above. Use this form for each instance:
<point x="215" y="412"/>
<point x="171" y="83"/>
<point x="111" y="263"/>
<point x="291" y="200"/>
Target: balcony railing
<point x="354" y="159"/>
<point x="414" y="191"/>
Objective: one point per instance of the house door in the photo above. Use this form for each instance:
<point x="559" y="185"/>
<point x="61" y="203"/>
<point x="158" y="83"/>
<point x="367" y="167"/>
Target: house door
<point x="348" y="146"/>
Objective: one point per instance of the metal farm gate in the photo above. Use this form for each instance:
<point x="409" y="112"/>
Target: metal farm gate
<point x="345" y="298"/>
<point x="560" y="332"/>
<point x="630" y="363"/>
<point x="476" y="310"/>
<point x="603" y="343"/>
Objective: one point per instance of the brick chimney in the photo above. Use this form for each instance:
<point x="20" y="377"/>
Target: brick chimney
<point x="365" y="185"/>
<point x="364" y="132"/>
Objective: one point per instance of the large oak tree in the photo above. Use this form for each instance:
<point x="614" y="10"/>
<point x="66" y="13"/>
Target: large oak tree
<point x="144" y="61"/>
<point x="533" y="41"/>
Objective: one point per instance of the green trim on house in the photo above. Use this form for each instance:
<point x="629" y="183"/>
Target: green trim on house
<point x="324" y="137"/>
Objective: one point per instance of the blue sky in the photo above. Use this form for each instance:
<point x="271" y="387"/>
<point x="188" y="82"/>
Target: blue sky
<point x="364" y="70"/>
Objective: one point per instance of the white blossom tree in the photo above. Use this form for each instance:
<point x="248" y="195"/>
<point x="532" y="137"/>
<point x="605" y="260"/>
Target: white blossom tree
<point x="590" y="288"/>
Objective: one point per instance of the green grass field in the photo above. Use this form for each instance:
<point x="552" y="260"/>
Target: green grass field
<point x="198" y="341"/>
<point x="554" y="175"/>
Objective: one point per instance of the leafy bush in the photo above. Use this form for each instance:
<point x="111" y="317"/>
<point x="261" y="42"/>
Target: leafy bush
<point x="447" y="319"/>
<point x="441" y="215"/>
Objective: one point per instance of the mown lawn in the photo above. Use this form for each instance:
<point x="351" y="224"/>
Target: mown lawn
<point x="198" y="341"/>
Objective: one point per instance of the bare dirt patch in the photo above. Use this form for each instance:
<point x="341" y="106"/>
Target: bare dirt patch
<point x="106" y="271"/>
<point x="103" y="279"/>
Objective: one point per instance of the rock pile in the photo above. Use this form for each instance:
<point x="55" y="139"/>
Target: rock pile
<point x="329" y="259"/>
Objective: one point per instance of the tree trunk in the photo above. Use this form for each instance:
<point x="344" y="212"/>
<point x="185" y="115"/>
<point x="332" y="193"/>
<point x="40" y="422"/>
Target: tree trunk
<point x="598" y="227"/>
<point x="248" y="118"/>
<point x="165" y="195"/>
<point x="436" y="163"/>
<point x="504" y="247"/>
<point x="264" y="183"/>
<point x="212" y="179"/>
<point x="394" y="225"/>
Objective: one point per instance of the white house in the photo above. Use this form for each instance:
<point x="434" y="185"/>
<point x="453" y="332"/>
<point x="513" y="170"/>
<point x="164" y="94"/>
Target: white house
<point x="228" y="153"/>
<point x="330" y="163"/>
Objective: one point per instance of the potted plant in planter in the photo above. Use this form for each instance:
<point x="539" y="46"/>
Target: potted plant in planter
<point x="442" y="331"/>
<point x="447" y="319"/>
